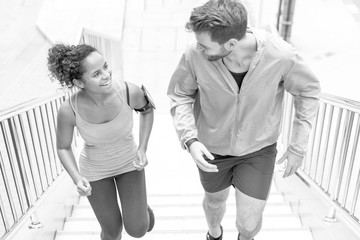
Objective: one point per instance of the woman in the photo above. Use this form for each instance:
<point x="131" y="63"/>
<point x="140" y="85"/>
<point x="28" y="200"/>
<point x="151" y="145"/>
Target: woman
<point x="110" y="162"/>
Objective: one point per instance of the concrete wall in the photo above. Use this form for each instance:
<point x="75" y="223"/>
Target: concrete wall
<point x="63" y="20"/>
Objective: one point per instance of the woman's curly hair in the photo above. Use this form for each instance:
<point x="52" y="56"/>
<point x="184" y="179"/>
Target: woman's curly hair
<point x="65" y="62"/>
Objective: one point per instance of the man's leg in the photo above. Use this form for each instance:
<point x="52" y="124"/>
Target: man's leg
<point x="214" y="205"/>
<point x="248" y="215"/>
<point x="252" y="179"/>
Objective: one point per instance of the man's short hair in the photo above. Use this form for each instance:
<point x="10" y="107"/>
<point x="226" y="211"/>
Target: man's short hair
<point x="222" y="19"/>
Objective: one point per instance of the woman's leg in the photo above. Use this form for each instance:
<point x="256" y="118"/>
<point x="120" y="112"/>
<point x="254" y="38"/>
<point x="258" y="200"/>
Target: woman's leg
<point x="103" y="200"/>
<point x="132" y="192"/>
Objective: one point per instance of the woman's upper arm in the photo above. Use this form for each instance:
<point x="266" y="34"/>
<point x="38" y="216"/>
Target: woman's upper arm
<point x="65" y="126"/>
<point x="137" y="97"/>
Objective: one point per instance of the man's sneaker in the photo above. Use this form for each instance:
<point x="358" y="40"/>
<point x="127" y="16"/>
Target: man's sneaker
<point x="209" y="237"/>
<point x="151" y="219"/>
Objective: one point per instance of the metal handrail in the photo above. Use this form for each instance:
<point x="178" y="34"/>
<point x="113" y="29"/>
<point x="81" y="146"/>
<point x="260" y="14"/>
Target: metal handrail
<point x="330" y="164"/>
<point x="28" y="159"/>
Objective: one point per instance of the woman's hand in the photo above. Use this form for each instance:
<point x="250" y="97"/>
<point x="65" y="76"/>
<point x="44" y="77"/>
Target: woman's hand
<point x="83" y="187"/>
<point x="141" y="160"/>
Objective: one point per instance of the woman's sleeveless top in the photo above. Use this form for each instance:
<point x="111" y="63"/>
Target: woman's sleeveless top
<point x="109" y="148"/>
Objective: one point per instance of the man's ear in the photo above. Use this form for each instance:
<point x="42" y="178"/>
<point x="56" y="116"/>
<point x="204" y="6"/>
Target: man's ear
<point x="78" y="83"/>
<point x="230" y="44"/>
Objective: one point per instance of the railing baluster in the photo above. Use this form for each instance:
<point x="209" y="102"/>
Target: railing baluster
<point x="42" y="150"/>
<point x="21" y="163"/>
<point x="351" y="163"/>
<point x="46" y="140"/>
<point x="54" y="110"/>
<point x="29" y="157"/>
<point x="9" y="197"/>
<point x="356" y="195"/>
<point x="318" y="149"/>
<point x="4" y="218"/>
<point x="331" y="114"/>
<point x="14" y="176"/>
<point x="307" y="161"/>
<point x="343" y="153"/>
<point x="51" y="136"/>
<point x="32" y="134"/>
<point x="333" y="149"/>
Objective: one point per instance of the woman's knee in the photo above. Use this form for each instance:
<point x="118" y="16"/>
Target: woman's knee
<point x="137" y="229"/>
<point x="111" y="235"/>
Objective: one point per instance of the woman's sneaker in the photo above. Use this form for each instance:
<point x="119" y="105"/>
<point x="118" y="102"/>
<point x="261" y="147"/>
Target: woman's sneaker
<point x="151" y="219"/>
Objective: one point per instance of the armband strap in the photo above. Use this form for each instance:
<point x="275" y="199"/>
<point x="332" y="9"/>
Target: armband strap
<point x="144" y="108"/>
<point x="150" y="102"/>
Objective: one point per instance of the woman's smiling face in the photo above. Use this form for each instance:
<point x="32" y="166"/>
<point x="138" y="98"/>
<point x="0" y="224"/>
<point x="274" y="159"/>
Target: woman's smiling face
<point x="97" y="75"/>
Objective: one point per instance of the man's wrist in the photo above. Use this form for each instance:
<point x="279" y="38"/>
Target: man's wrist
<point x="298" y="153"/>
<point x="189" y="142"/>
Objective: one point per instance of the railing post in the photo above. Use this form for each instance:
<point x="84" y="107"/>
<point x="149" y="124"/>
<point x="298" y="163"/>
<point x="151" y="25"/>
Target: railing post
<point x="285" y="18"/>
<point x="331" y="217"/>
<point x="35" y="223"/>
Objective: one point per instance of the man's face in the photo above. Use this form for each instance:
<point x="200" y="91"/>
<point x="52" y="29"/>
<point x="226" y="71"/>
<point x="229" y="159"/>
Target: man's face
<point x="213" y="51"/>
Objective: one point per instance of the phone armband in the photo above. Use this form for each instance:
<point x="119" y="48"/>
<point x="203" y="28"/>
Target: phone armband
<point x="149" y="101"/>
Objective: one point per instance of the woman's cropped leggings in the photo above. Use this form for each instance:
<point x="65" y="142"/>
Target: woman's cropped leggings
<point x="133" y="214"/>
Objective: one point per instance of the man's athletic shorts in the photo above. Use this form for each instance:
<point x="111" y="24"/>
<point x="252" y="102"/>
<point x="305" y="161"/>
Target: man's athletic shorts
<point x="251" y="174"/>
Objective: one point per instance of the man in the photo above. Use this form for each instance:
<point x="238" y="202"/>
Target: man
<point x="226" y="103"/>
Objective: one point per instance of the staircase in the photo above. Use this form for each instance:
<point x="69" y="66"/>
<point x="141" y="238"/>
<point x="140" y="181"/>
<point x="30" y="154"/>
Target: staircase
<point x="181" y="217"/>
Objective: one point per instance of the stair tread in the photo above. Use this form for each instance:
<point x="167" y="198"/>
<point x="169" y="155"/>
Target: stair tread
<point x="264" y="234"/>
<point x="188" y="199"/>
<point x="190" y="223"/>
<point x="194" y="210"/>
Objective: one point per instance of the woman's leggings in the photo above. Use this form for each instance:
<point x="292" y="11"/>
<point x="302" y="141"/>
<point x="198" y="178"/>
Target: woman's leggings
<point x="132" y="192"/>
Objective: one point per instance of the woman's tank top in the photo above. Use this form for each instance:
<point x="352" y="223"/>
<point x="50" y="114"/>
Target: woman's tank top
<point x="109" y="148"/>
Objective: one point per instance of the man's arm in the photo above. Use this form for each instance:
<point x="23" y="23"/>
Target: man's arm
<point x="304" y="86"/>
<point x="182" y="92"/>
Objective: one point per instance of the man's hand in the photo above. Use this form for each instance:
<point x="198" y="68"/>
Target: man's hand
<point x="293" y="163"/>
<point x="198" y="150"/>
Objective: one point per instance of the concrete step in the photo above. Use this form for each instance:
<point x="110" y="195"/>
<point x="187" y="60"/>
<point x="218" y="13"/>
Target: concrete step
<point x="180" y="216"/>
<point x="83" y="211"/>
<point x="264" y="234"/>
<point x="188" y="223"/>
<point x="189" y="199"/>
